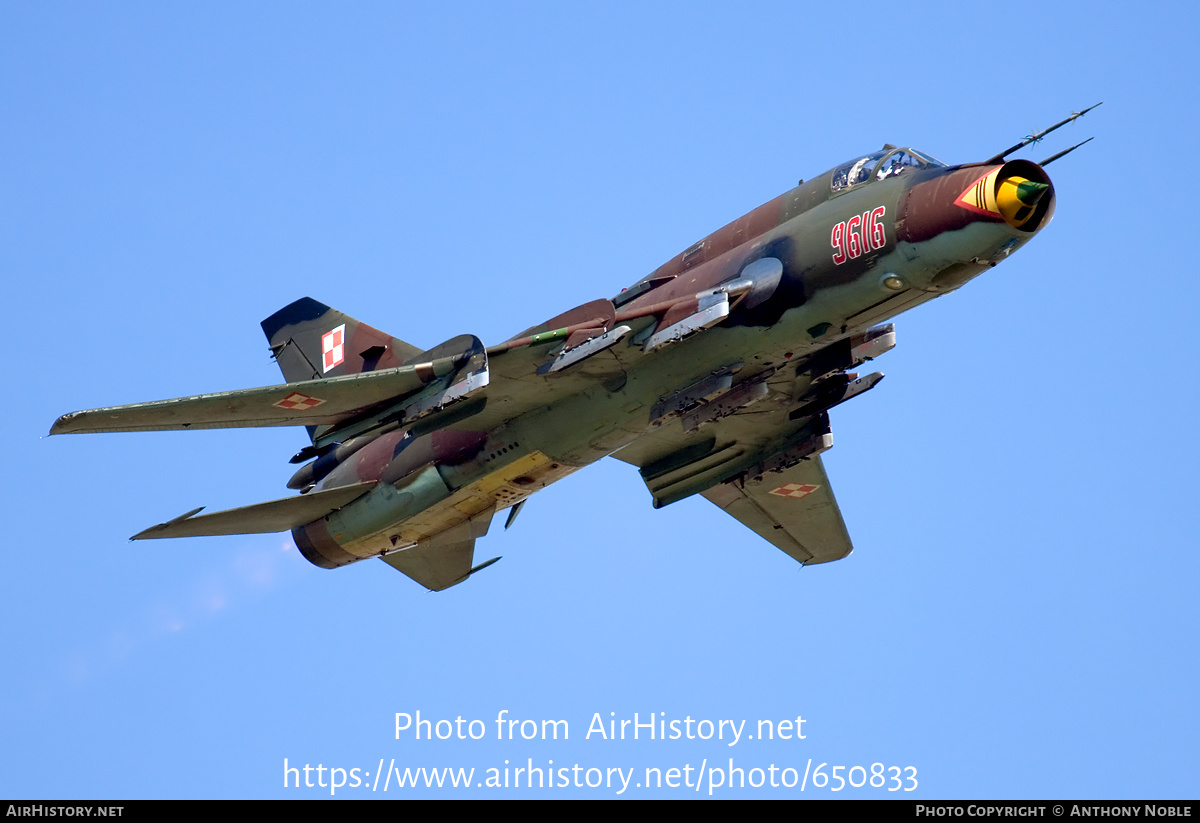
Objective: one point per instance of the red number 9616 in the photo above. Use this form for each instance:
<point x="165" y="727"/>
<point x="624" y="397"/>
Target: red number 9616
<point x="860" y="234"/>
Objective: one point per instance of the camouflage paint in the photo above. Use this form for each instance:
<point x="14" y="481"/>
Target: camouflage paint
<point x="475" y="431"/>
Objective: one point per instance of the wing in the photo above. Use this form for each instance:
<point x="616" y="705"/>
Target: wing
<point x="357" y="396"/>
<point x="311" y="402"/>
<point x="753" y="447"/>
<point x="342" y="406"/>
<point x="766" y="473"/>
<point x="563" y="356"/>
<point x="794" y="511"/>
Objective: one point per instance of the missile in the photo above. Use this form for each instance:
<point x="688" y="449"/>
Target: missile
<point x="851" y="352"/>
<point x="838" y="389"/>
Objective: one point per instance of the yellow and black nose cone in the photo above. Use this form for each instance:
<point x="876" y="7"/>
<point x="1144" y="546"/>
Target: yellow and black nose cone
<point x="1016" y="198"/>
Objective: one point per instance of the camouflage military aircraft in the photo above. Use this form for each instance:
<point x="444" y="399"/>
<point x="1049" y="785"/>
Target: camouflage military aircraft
<point x="714" y="375"/>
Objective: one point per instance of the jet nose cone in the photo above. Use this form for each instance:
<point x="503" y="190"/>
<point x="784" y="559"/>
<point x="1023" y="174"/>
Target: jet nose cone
<point x="1016" y="198"/>
<point x="1030" y="192"/>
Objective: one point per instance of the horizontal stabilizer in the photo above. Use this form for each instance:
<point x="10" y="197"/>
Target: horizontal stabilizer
<point x="445" y="559"/>
<point x="435" y="567"/>
<point x="261" y="518"/>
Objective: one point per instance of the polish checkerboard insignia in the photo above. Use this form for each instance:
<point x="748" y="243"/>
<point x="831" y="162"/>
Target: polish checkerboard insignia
<point x="298" y="402"/>
<point x="333" y="347"/>
<point x="795" y="490"/>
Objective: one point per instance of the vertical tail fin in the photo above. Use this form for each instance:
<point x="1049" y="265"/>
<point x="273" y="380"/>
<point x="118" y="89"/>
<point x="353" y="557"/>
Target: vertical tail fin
<point x="310" y="340"/>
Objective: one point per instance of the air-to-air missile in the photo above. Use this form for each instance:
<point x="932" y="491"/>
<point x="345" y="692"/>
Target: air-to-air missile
<point x="714" y="375"/>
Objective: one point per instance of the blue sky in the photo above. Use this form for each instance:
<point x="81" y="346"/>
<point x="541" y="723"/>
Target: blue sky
<point x="1019" y="617"/>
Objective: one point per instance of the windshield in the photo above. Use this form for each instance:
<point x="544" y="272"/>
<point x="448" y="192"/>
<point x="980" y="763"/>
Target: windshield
<point x="894" y="162"/>
<point x="897" y="162"/>
<point x="931" y="161"/>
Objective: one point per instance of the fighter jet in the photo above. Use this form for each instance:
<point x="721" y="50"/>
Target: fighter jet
<point x="713" y="375"/>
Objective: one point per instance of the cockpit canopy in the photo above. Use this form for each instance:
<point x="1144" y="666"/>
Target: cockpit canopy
<point x="882" y="164"/>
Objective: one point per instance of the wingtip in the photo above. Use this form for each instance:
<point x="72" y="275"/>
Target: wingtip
<point x="152" y="532"/>
<point x="61" y="424"/>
